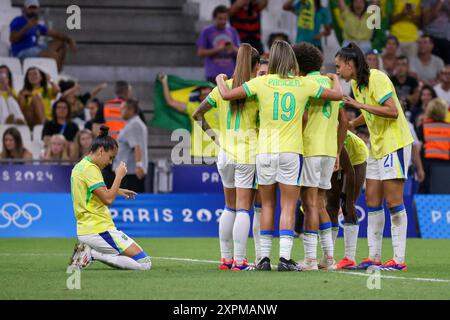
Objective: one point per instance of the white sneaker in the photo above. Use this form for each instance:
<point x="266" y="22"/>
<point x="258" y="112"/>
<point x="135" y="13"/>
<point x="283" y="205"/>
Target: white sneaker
<point x="76" y="255"/>
<point x="327" y="263"/>
<point x="308" y="265"/>
<point x="81" y="256"/>
<point x="85" y="257"/>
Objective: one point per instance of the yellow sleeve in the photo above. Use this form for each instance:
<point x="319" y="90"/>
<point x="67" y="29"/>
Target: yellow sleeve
<point x="93" y="178"/>
<point x="380" y="86"/>
<point x="251" y="87"/>
<point x="213" y="97"/>
<point x="313" y="88"/>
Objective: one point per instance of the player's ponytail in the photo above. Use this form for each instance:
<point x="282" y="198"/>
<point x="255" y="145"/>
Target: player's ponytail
<point x="247" y="58"/>
<point x="354" y="53"/>
<point x="103" y="140"/>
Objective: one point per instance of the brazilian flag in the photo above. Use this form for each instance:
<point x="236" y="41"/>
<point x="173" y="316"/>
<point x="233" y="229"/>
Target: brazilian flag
<point x="181" y="90"/>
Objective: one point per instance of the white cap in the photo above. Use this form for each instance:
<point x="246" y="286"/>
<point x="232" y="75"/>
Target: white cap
<point x="30" y="3"/>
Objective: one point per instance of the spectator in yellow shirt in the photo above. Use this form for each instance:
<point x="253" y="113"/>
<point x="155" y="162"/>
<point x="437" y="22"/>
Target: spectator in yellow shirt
<point x="355" y="27"/>
<point x="36" y="96"/>
<point x="405" y="23"/>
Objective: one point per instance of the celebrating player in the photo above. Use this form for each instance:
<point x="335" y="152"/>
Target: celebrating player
<point x="323" y="138"/>
<point x="97" y="235"/>
<point x="353" y="161"/>
<point x="390" y="152"/>
<point x="236" y="160"/>
<point x="282" y="96"/>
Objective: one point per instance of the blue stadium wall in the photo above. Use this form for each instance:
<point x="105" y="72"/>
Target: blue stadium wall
<point x="48" y="213"/>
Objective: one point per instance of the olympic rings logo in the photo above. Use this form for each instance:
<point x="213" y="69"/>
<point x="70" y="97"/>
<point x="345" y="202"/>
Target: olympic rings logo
<point x="20" y="217"/>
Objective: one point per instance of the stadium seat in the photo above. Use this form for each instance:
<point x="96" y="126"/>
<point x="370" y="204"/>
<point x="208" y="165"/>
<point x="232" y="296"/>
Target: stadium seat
<point x="4" y="49"/>
<point x="4" y="41"/>
<point x="47" y="65"/>
<point x="7" y="14"/>
<point x="23" y="129"/>
<point x="18" y="82"/>
<point x="37" y="132"/>
<point x="13" y="64"/>
<point x="35" y="147"/>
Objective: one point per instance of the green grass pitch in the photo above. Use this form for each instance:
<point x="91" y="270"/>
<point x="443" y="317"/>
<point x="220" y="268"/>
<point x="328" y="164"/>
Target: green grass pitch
<point x="36" y="269"/>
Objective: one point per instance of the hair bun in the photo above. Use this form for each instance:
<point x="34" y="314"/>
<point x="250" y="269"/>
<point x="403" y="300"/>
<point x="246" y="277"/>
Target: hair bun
<point x="104" y="130"/>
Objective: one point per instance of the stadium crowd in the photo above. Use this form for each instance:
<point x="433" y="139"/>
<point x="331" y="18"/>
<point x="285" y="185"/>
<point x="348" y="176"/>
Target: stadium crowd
<point x="412" y="46"/>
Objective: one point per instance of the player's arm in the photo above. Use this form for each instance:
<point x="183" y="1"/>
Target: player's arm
<point x="342" y="129"/>
<point x="349" y="172"/>
<point x="229" y="94"/>
<point x="177" y="105"/>
<point x="199" y="116"/>
<point x="335" y="93"/>
<point x="107" y="196"/>
<point x="358" y="122"/>
<point x="387" y="110"/>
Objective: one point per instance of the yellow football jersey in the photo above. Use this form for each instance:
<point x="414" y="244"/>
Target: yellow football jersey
<point x="92" y="215"/>
<point x="356" y="148"/>
<point x="386" y="134"/>
<point x="201" y="143"/>
<point x="238" y="131"/>
<point x="320" y="134"/>
<point x="281" y="106"/>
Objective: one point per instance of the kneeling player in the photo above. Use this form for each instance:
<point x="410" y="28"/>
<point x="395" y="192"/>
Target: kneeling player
<point x="353" y="161"/>
<point x="98" y="237"/>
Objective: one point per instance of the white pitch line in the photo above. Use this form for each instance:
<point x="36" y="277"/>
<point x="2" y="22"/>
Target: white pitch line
<point x="363" y="274"/>
<point x="394" y="277"/>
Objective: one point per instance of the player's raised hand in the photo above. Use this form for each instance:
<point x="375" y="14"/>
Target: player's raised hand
<point x="352" y="102"/>
<point x="221" y="76"/>
<point x="121" y="170"/>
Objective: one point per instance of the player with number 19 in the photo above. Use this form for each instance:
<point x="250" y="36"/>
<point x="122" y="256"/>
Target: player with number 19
<point x="282" y="96"/>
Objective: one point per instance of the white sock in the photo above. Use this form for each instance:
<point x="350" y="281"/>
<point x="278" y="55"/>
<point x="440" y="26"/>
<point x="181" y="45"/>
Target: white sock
<point x="375" y="230"/>
<point x="240" y="235"/>
<point x="286" y="242"/>
<point x="326" y="239"/>
<point x="399" y="225"/>
<point x="310" y="244"/>
<point x="266" y="243"/>
<point x="226" y="223"/>
<point x="334" y="231"/>
<point x="350" y="239"/>
<point x="121" y="262"/>
<point x="256" y="230"/>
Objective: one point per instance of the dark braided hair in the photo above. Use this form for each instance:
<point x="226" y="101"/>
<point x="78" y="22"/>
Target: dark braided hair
<point x="104" y="140"/>
<point x="354" y="53"/>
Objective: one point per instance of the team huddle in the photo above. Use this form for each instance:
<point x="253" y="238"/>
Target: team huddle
<point x="284" y="128"/>
<point x="288" y="129"/>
